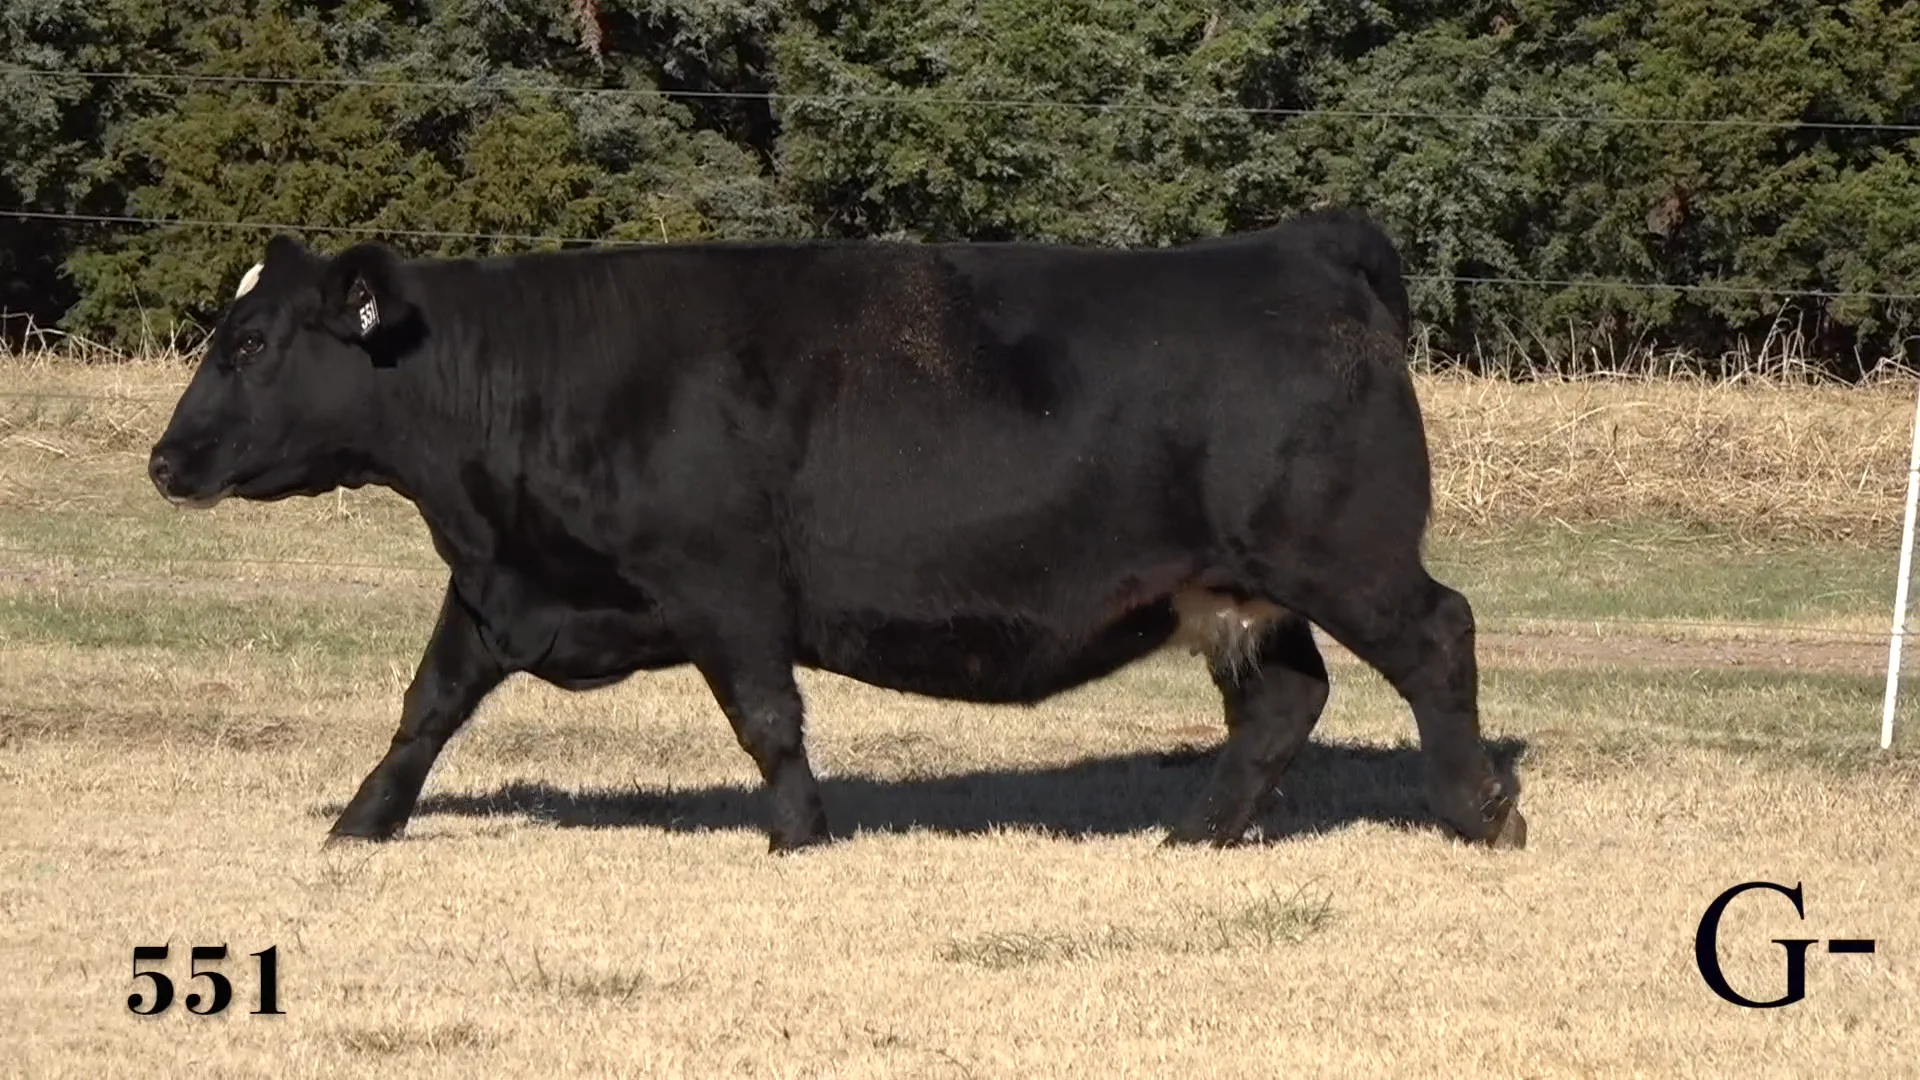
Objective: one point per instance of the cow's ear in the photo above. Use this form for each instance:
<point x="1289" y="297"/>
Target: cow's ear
<point x="283" y="249"/>
<point x="284" y="254"/>
<point x="360" y="294"/>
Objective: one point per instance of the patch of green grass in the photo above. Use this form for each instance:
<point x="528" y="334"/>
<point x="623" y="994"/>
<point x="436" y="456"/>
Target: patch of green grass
<point x="1650" y="571"/>
<point x="353" y="533"/>
<point x="384" y="1040"/>
<point x="1827" y="718"/>
<point x="1265" y="922"/>
<point x="1002" y="951"/>
<point x="599" y="985"/>
<point x="396" y="624"/>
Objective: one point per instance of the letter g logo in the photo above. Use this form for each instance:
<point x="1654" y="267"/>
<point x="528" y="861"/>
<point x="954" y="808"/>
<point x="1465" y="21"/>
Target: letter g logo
<point x="1706" y="949"/>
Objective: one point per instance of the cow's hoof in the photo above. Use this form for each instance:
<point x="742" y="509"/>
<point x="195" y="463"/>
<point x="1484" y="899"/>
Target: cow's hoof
<point x="1508" y="831"/>
<point x="794" y="841"/>
<point x="1501" y="827"/>
<point x="1204" y="834"/>
<point x="341" y="842"/>
<point x="351" y="835"/>
<point x="1189" y="833"/>
<point x="1489" y="819"/>
<point x="795" y="846"/>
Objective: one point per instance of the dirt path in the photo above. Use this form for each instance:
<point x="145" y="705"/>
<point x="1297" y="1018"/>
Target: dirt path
<point x="1862" y="657"/>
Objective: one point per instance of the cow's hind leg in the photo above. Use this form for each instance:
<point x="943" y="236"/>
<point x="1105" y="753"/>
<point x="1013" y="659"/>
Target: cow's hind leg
<point x="455" y="674"/>
<point x="1270" y="711"/>
<point x="1419" y="634"/>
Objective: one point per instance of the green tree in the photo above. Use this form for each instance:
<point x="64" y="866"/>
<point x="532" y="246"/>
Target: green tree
<point x="474" y="118"/>
<point x="1724" y="202"/>
<point x="1130" y="122"/>
<point x="1113" y="141"/>
<point x="57" y="132"/>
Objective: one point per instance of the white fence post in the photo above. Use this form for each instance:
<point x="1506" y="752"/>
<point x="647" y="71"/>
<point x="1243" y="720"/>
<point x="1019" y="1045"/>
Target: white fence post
<point x="1900" y="587"/>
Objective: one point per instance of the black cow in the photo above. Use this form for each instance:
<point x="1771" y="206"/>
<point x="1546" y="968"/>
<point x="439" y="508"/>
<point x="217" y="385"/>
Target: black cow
<point x="983" y="472"/>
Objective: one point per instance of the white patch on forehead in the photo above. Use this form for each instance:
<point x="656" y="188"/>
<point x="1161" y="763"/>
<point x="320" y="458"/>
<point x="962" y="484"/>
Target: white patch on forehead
<point x="249" y="280"/>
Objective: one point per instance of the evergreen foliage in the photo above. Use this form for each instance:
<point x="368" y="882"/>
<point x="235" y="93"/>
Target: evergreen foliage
<point x="1133" y="122"/>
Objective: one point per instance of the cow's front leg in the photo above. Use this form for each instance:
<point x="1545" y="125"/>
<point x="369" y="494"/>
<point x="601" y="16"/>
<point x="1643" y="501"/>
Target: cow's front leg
<point x="457" y="671"/>
<point x="752" y="680"/>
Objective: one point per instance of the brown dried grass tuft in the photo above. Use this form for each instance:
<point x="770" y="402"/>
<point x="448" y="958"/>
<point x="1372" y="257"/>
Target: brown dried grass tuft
<point x="1750" y="457"/>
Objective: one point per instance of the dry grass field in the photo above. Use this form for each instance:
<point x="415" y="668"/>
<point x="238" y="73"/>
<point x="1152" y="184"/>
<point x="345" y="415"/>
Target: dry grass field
<point x="1683" y="589"/>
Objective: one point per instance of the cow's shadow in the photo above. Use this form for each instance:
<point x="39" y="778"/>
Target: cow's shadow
<point x="1331" y="785"/>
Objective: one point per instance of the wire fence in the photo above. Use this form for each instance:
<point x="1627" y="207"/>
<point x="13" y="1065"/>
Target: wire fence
<point x="1727" y="289"/>
<point x="499" y="85"/>
<point x="495" y="84"/>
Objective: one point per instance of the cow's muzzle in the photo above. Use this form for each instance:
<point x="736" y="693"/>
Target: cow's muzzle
<point x="162" y="471"/>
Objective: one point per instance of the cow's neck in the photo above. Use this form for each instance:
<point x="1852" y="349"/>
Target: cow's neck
<point x="471" y="498"/>
<point x="449" y="440"/>
<point x="425" y="450"/>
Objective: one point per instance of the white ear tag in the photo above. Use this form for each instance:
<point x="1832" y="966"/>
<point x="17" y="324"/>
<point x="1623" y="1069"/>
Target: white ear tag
<point x="249" y="280"/>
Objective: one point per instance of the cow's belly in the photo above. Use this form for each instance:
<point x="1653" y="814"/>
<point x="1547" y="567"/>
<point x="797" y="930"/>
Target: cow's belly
<point x="581" y="649"/>
<point x="995" y="657"/>
<point x="977" y="656"/>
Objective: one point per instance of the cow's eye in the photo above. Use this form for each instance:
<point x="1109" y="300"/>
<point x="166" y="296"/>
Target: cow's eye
<point x="250" y="343"/>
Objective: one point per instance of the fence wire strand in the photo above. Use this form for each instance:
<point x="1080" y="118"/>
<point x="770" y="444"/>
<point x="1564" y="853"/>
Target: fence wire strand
<point x="272" y="226"/>
<point x="495" y="85"/>
<point x="146" y="559"/>
<point x="539" y="238"/>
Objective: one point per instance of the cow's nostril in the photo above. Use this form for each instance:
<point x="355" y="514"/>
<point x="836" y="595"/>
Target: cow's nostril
<point x="159" y="472"/>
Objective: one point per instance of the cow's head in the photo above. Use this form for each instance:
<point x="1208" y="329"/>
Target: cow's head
<point x="285" y="401"/>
